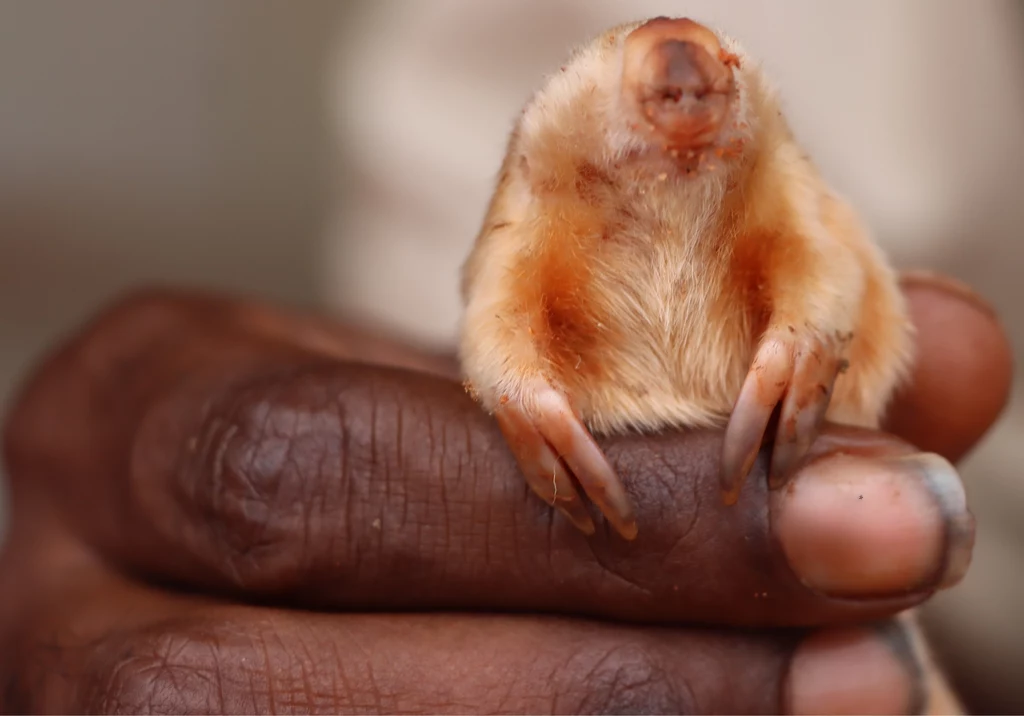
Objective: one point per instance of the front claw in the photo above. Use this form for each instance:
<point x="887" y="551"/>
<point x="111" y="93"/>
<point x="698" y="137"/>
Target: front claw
<point x="799" y="373"/>
<point x="545" y="437"/>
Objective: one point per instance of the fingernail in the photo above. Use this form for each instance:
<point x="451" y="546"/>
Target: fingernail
<point x="859" y="527"/>
<point x="858" y="670"/>
<point x="946" y="284"/>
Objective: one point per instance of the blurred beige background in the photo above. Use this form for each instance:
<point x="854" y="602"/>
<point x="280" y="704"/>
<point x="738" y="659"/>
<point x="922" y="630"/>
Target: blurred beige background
<point x="340" y="154"/>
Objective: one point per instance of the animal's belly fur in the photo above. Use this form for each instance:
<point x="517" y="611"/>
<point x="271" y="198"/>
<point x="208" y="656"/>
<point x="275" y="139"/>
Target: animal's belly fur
<point x="678" y="358"/>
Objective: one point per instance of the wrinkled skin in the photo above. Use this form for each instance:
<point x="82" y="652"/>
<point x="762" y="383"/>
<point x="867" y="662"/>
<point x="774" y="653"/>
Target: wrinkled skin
<point x="187" y="467"/>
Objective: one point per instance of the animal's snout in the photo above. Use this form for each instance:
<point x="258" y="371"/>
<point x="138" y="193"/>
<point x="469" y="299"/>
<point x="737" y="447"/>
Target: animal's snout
<point x="678" y="69"/>
<point x="674" y="72"/>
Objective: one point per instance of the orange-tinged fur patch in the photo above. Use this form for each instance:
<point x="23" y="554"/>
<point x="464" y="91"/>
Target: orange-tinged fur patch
<point x="748" y="274"/>
<point x="554" y="284"/>
<point x="592" y="184"/>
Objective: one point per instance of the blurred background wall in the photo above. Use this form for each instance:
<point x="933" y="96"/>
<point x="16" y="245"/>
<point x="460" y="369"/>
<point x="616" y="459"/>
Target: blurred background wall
<point x="156" y="141"/>
<point x="340" y="154"/>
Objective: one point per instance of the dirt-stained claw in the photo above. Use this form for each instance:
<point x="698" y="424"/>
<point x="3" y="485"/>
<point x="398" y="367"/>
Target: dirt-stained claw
<point x="803" y="409"/>
<point x="547" y="437"/>
<point x="741" y="445"/>
<point x="796" y="372"/>
<point x="762" y="390"/>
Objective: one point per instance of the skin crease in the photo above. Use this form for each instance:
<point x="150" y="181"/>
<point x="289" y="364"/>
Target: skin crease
<point x="133" y="546"/>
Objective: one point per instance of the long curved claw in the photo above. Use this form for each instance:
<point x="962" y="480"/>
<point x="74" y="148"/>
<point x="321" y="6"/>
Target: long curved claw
<point x="803" y="410"/>
<point x="762" y="390"/>
<point x="541" y="467"/>
<point x="577" y="447"/>
<point x="541" y="427"/>
<point x="797" y="372"/>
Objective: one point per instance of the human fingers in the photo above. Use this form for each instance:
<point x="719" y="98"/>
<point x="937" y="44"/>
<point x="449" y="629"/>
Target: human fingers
<point x="103" y="644"/>
<point x="202" y="451"/>
<point x="961" y="380"/>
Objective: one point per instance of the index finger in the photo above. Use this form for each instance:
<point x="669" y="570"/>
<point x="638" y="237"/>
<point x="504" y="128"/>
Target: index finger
<point x="194" y="448"/>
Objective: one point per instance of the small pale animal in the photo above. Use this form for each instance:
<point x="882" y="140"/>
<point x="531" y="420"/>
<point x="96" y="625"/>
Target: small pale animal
<point x="660" y="253"/>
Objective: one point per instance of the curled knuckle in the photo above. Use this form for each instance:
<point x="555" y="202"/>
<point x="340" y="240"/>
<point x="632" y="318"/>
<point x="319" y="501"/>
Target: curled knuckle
<point x="291" y="472"/>
<point x="203" y="665"/>
<point x="631" y="679"/>
<point x="262" y="463"/>
<point x="156" y="672"/>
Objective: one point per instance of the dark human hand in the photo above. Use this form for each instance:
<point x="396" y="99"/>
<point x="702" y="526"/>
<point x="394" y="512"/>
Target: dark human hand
<point x="221" y="507"/>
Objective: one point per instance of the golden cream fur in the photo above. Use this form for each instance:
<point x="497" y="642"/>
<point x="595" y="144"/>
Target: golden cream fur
<point x="682" y="264"/>
<point x="643" y="291"/>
